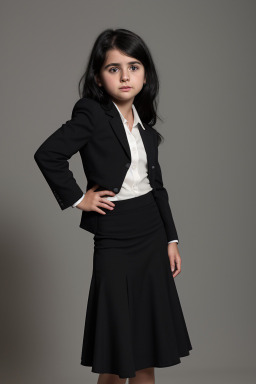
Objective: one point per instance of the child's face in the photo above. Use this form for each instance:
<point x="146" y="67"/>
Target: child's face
<point x="122" y="73"/>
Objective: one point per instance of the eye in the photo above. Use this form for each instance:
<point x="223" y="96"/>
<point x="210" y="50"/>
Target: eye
<point x="112" y="68"/>
<point x="132" y="66"/>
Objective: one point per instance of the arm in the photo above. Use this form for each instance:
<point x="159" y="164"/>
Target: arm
<point x="53" y="154"/>
<point x="162" y="200"/>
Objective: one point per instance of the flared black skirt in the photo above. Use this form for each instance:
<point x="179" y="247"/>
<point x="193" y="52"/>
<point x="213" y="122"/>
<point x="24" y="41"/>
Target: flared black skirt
<point x="134" y="318"/>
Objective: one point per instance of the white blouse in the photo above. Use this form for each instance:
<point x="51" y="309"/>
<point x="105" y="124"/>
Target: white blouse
<point x="136" y="182"/>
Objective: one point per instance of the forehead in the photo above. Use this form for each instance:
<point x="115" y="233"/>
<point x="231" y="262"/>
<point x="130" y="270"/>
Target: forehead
<point x="116" y="56"/>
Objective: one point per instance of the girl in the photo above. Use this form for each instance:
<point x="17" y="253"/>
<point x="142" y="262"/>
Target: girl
<point x="134" y="321"/>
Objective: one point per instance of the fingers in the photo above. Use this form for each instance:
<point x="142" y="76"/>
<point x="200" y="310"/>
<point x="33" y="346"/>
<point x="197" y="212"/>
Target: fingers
<point x="175" y="263"/>
<point x="106" y="192"/>
<point x="100" y="211"/>
<point x="106" y="201"/>
<point x="176" y="273"/>
<point x="103" y="202"/>
<point x="102" y="193"/>
<point x="104" y="205"/>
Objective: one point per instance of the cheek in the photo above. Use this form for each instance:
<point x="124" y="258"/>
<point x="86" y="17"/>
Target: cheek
<point x="109" y="81"/>
<point x="139" y="76"/>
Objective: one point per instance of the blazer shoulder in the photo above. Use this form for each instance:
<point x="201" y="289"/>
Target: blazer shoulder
<point x="85" y="103"/>
<point x="151" y="129"/>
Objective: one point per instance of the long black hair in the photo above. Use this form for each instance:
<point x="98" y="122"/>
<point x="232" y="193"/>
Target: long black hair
<point x="132" y="45"/>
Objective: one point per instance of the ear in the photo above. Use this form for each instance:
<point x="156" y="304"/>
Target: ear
<point x="97" y="80"/>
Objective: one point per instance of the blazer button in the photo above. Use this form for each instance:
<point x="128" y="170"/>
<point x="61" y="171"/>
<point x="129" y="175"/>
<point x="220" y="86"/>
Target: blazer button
<point x="127" y="165"/>
<point x="115" y="189"/>
<point x="153" y="166"/>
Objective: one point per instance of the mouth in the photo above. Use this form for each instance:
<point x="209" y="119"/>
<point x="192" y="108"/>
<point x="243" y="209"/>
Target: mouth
<point x="125" y="88"/>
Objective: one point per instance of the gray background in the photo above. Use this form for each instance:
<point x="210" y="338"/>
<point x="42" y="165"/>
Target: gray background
<point x="204" y="52"/>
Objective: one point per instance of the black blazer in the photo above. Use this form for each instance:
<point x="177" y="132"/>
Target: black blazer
<point x="97" y="132"/>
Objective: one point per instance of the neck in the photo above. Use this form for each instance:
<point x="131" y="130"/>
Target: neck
<point x="125" y="108"/>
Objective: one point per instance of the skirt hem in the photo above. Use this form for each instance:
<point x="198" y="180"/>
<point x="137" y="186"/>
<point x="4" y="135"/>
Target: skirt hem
<point x="130" y="375"/>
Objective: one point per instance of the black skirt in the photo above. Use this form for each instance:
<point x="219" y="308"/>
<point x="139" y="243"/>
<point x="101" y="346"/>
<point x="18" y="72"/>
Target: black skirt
<point x="134" y="319"/>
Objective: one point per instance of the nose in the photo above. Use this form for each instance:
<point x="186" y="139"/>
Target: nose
<point x="124" y="76"/>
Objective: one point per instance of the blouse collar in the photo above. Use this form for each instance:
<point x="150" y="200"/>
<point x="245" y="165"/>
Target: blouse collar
<point x="135" y="114"/>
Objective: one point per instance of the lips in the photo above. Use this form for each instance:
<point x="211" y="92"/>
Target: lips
<point x="125" y="87"/>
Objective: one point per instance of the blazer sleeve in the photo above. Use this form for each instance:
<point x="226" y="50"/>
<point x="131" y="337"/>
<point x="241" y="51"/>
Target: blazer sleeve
<point x="53" y="154"/>
<point x="162" y="200"/>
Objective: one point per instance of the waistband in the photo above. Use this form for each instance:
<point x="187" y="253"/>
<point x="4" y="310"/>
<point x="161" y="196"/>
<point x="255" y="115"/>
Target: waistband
<point x="132" y="203"/>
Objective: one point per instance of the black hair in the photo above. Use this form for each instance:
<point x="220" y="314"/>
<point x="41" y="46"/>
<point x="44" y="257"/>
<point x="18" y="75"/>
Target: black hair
<point x="132" y="45"/>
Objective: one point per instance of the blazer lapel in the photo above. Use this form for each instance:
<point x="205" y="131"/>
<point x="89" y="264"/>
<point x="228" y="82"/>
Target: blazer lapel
<point x="117" y="126"/>
<point x="147" y="137"/>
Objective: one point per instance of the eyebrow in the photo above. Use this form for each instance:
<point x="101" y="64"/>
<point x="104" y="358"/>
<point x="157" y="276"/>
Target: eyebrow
<point x="116" y="64"/>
